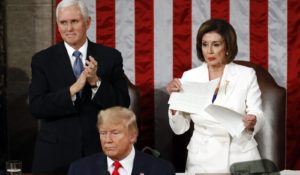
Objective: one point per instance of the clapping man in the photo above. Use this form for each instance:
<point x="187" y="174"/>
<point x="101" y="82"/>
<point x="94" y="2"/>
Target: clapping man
<point x="71" y="82"/>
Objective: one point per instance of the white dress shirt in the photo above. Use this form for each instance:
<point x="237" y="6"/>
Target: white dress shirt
<point x="127" y="164"/>
<point x="83" y="51"/>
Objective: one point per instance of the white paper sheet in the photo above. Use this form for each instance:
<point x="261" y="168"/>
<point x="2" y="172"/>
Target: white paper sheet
<point x="231" y="120"/>
<point x="194" y="96"/>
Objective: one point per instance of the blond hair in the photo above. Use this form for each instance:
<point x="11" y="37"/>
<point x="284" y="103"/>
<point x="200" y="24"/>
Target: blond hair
<point x="118" y="115"/>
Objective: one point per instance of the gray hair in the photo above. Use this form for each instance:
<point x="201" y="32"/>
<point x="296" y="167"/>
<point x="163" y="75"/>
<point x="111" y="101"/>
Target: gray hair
<point x="68" y="3"/>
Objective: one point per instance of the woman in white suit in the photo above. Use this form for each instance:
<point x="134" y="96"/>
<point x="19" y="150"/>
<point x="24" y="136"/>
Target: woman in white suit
<point x="211" y="148"/>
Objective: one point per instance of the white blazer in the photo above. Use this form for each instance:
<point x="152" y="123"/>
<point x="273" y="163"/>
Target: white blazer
<point x="211" y="148"/>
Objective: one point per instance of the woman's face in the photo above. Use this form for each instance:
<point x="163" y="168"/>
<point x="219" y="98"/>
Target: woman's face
<point x="213" y="49"/>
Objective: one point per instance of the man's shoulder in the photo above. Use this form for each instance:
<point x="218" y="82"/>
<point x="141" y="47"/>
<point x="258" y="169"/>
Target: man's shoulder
<point x="52" y="48"/>
<point x="156" y="163"/>
<point x="89" y="165"/>
<point x="90" y="159"/>
<point x="49" y="51"/>
<point x="147" y="157"/>
<point x="101" y="47"/>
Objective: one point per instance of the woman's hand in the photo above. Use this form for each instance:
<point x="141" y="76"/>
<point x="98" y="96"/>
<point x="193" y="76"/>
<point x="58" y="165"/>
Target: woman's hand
<point x="249" y="122"/>
<point x="173" y="86"/>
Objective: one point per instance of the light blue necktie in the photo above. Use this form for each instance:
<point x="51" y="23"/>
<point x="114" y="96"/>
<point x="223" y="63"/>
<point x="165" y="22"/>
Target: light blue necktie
<point x="78" y="66"/>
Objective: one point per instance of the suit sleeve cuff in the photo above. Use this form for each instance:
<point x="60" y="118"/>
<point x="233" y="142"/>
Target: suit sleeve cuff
<point x="95" y="88"/>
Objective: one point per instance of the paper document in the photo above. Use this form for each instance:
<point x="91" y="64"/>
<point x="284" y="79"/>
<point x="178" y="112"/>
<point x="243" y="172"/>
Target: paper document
<point x="231" y="120"/>
<point x="194" y="96"/>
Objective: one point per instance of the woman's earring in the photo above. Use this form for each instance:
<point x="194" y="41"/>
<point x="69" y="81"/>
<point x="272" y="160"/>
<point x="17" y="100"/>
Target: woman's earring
<point x="227" y="53"/>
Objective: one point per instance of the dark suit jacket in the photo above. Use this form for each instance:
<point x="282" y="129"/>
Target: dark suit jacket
<point x="143" y="163"/>
<point x="67" y="131"/>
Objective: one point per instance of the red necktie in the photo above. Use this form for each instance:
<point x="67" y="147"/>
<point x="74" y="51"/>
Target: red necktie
<point x="117" y="165"/>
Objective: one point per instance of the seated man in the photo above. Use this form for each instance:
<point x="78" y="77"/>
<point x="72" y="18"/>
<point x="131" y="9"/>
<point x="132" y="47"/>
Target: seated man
<point x="118" y="133"/>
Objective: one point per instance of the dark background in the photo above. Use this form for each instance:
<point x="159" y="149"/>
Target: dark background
<point x="3" y="138"/>
<point x="16" y="138"/>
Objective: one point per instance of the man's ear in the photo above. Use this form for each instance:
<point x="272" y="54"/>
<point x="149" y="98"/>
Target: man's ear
<point x="88" y="21"/>
<point x="133" y="136"/>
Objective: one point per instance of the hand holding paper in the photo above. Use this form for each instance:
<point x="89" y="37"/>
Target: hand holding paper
<point x="193" y="97"/>
<point x="174" y="86"/>
<point x="249" y="121"/>
<point x="229" y="119"/>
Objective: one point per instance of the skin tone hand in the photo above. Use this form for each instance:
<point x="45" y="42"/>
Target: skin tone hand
<point x="249" y="122"/>
<point x="79" y="84"/>
<point x="173" y="86"/>
<point x="88" y="75"/>
<point x="91" y="71"/>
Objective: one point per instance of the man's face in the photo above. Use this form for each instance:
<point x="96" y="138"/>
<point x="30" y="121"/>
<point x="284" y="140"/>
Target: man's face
<point x="116" y="140"/>
<point x="72" y="26"/>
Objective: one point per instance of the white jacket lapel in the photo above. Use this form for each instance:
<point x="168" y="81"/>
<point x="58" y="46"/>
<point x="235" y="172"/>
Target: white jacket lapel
<point x="228" y="83"/>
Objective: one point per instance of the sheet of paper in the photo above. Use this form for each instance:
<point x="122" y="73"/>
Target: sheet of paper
<point x="230" y="119"/>
<point x="193" y="97"/>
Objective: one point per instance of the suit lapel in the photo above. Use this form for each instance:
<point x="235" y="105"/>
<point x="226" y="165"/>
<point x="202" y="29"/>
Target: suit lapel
<point x="102" y="164"/>
<point x="89" y="51"/>
<point x="96" y="52"/>
<point x="227" y="84"/>
<point x="86" y="92"/>
<point x="93" y="51"/>
<point x="137" y="164"/>
<point x="64" y="64"/>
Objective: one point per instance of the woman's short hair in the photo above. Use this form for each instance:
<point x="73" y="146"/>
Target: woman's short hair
<point x="68" y="3"/>
<point x="227" y="32"/>
<point x="118" y="115"/>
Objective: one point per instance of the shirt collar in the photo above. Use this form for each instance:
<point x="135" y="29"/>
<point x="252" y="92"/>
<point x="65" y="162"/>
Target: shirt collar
<point x="82" y="49"/>
<point x="127" y="162"/>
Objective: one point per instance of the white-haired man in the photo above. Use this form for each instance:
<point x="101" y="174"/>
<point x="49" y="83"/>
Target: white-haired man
<point x="71" y="82"/>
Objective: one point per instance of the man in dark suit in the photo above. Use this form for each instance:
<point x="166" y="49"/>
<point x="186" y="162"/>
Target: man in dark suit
<point x="118" y="133"/>
<point x="71" y="82"/>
